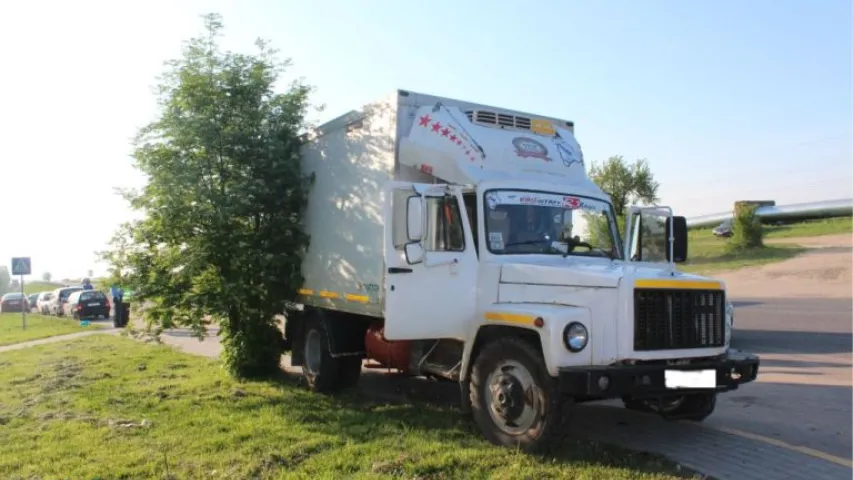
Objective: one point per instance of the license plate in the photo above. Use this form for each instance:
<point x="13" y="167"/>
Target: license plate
<point x="13" y="302"/>
<point x="690" y="378"/>
<point x="93" y="304"/>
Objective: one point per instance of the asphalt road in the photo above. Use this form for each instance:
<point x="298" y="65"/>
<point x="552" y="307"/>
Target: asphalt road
<point x="803" y="392"/>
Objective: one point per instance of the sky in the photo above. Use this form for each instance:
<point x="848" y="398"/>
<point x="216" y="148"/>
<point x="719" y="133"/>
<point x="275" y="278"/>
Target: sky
<point x="727" y="100"/>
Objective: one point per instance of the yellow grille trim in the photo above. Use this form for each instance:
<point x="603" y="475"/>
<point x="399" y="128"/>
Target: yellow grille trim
<point x="679" y="284"/>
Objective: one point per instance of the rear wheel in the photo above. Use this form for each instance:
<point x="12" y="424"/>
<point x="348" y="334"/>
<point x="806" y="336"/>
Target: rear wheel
<point x="324" y="373"/>
<point x="513" y="399"/>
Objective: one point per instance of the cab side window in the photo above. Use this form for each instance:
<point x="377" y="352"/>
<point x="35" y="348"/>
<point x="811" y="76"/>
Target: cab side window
<point x="444" y="225"/>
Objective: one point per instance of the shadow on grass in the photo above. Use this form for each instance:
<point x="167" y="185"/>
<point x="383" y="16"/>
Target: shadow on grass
<point x="388" y="404"/>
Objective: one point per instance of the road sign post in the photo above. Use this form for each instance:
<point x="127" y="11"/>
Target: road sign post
<point x="22" y="266"/>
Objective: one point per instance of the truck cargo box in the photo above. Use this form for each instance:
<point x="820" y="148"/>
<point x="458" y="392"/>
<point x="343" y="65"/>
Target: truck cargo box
<point x="354" y="155"/>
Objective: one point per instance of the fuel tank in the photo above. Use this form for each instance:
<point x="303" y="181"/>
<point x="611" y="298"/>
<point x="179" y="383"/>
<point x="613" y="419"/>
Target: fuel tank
<point x="390" y="354"/>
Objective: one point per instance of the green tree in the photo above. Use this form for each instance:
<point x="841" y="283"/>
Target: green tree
<point x="625" y="182"/>
<point x="46" y="276"/>
<point x="5" y="279"/>
<point x="222" y="236"/>
<point x="747" y="231"/>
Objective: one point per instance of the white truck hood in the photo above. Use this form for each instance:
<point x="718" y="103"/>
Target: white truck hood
<point x="579" y="275"/>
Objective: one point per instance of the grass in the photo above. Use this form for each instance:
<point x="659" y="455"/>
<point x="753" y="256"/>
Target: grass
<point x="38" y="287"/>
<point x="110" y="407"/>
<point x="708" y="254"/>
<point x="812" y="228"/>
<point x="38" y="326"/>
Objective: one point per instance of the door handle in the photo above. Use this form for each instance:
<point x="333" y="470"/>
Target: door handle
<point x="399" y="270"/>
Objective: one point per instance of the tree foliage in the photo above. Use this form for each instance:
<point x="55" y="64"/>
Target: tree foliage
<point x="222" y="237"/>
<point x="747" y="231"/>
<point x="5" y="279"/>
<point x="625" y="182"/>
<point x="46" y="276"/>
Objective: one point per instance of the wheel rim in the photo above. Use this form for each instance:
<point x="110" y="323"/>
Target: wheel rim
<point x="513" y="398"/>
<point x="313" y="352"/>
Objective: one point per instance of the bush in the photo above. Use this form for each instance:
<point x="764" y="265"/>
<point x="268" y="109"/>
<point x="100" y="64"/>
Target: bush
<point x="747" y="229"/>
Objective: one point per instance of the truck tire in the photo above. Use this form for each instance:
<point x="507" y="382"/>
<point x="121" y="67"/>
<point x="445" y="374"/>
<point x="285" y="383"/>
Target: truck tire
<point x="513" y="399"/>
<point x="322" y="372"/>
<point x="350" y="371"/>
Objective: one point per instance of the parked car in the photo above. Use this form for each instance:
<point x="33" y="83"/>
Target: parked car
<point x="43" y="302"/>
<point x="724" y="229"/>
<point x="13" y="302"/>
<point x="60" y="299"/>
<point x="31" y="301"/>
<point x="87" y="304"/>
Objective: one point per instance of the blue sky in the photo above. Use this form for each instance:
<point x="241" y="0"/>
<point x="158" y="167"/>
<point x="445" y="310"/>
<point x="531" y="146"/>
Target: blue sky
<point x="727" y="100"/>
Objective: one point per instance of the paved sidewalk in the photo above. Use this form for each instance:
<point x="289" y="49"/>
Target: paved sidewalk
<point x="719" y="454"/>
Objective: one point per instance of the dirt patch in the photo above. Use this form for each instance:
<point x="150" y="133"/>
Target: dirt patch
<point x="825" y="270"/>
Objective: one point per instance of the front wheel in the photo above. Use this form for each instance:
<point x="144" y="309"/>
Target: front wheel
<point x="513" y="399"/>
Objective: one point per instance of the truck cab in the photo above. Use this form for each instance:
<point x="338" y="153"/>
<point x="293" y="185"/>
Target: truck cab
<point x="504" y="270"/>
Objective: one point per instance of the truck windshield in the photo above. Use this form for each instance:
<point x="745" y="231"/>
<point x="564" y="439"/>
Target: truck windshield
<point x="519" y="222"/>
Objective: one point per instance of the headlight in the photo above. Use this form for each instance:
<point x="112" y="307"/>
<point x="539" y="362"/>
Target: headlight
<point x="575" y="337"/>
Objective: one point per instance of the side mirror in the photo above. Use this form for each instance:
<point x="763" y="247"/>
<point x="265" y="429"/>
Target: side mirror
<point x="678" y="227"/>
<point x="414" y="219"/>
<point x="414" y="253"/>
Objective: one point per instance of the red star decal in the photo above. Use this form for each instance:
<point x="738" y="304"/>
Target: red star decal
<point x="458" y="142"/>
<point x="453" y="138"/>
<point x="436" y="127"/>
<point x="471" y="158"/>
<point x="467" y="152"/>
<point x="424" y="121"/>
<point x="445" y="132"/>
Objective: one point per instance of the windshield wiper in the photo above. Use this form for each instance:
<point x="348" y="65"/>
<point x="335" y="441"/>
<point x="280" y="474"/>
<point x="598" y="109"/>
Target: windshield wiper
<point x="526" y="242"/>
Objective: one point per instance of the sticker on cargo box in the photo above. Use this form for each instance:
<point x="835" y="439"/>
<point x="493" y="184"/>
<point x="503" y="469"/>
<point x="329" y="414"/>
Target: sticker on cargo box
<point x="567" y="153"/>
<point x="542" y="127"/>
<point x="526" y="147"/>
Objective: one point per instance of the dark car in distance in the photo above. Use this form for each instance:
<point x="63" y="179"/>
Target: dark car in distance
<point x="13" y="302"/>
<point x="32" y="300"/>
<point x="88" y="304"/>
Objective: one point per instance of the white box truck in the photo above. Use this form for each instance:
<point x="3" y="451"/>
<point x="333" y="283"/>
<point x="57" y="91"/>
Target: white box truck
<point x="466" y="242"/>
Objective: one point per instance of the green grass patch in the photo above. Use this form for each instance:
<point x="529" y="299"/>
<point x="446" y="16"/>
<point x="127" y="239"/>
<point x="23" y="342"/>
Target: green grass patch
<point x="812" y="228"/>
<point x="38" y="287"/>
<point x="110" y="407"/>
<point x="38" y="326"/>
<point x="708" y="254"/>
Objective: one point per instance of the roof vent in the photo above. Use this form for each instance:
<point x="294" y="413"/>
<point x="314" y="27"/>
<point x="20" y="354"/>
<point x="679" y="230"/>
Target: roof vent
<point x="500" y="120"/>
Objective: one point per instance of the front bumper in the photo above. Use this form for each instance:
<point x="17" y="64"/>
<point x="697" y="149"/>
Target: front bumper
<point x="649" y="380"/>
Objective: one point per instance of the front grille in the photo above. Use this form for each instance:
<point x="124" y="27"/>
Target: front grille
<point x="666" y="319"/>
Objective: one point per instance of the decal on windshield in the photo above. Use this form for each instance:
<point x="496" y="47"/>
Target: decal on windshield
<point x="496" y="241"/>
<point x="527" y="147"/>
<point x="493" y="199"/>
<point x="568" y="202"/>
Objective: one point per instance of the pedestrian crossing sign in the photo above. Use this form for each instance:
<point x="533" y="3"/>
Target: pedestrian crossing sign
<point x="21" y="266"/>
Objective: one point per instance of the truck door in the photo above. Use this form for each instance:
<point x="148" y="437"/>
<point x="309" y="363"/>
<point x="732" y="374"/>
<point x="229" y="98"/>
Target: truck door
<point x="431" y="263"/>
